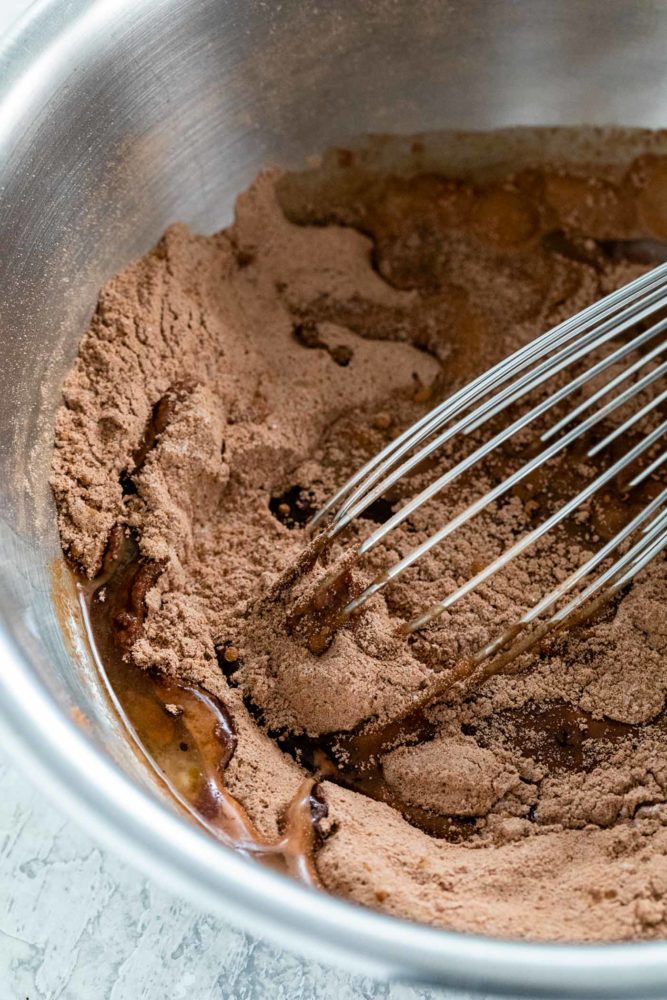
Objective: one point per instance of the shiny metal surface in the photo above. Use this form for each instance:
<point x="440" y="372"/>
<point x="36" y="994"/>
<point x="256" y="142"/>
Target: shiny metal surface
<point x="120" y="116"/>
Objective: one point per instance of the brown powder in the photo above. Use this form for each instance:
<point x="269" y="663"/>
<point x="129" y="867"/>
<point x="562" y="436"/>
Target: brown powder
<point x="228" y="385"/>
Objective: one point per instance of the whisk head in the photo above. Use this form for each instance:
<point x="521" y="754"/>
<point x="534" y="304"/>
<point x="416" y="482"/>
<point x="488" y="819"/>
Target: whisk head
<point x="597" y="379"/>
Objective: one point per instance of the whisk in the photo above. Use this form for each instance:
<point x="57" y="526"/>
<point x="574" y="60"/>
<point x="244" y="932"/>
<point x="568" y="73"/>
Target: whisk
<point x="626" y="328"/>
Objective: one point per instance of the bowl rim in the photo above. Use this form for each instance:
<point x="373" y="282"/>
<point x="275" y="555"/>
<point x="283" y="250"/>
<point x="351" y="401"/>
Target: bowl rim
<point x="77" y="776"/>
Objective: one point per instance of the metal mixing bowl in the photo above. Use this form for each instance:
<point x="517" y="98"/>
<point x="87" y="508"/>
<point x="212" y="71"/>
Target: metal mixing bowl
<point x="118" y="117"/>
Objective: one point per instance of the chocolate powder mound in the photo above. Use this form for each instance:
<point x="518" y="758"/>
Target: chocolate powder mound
<point x="229" y="384"/>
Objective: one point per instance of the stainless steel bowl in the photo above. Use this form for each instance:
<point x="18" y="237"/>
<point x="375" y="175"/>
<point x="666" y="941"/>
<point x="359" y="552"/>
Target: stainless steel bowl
<point x="120" y="116"/>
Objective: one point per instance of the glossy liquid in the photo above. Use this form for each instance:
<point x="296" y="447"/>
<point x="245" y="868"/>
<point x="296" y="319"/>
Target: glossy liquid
<point x="185" y="734"/>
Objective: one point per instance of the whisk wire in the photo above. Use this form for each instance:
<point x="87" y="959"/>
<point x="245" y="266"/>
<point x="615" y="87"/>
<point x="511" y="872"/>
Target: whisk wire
<point x="495" y="376"/>
<point x="542" y="529"/>
<point x="364" y="495"/>
<point x="492" y="393"/>
<point x="617" y="380"/>
<point x="346" y="516"/>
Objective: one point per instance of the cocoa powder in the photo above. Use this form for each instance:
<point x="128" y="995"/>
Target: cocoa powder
<point x="229" y="384"/>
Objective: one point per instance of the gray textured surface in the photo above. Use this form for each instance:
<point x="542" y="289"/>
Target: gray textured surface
<point x="78" y="924"/>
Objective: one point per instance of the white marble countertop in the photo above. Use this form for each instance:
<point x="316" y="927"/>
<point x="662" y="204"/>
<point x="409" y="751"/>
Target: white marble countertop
<point x="76" y="923"/>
